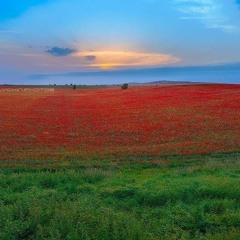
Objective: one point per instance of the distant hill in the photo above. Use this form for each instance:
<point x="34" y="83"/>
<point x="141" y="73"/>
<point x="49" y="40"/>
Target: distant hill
<point x="163" y="82"/>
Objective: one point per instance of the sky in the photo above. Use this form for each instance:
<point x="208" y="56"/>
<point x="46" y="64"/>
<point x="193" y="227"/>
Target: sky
<point x="57" y="40"/>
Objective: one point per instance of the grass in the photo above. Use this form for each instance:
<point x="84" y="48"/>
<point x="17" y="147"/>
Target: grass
<point x="175" y="197"/>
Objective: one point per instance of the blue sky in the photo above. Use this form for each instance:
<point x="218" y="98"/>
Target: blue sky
<point x="64" y="36"/>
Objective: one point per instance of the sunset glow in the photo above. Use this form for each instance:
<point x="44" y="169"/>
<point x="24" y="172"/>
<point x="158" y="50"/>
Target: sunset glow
<point x="122" y="59"/>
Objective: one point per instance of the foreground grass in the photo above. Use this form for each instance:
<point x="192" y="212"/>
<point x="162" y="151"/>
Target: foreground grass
<point x="178" y="198"/>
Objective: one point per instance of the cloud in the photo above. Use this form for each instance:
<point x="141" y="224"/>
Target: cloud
<point x="209" y="12"/>
<point x="32" y="58"/>
<point x="61" y="52"/>
<point x="90" y="57"/>
<point x="124" y="59"/>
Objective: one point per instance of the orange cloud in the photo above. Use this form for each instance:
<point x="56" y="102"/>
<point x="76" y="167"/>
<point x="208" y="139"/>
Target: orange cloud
<point x="120" y="59"/>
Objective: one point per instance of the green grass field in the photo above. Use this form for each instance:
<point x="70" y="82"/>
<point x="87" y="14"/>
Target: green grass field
<point x="179" y="197"/>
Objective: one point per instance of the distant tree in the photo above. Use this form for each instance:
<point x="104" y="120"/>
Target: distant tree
<point x="74" y="86"/>
<point x="124" y="86"/>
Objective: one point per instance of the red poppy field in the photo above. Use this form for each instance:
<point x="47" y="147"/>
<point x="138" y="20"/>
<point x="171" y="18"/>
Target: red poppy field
<point x="146" y="163"/>
<point x="117" y="124"/>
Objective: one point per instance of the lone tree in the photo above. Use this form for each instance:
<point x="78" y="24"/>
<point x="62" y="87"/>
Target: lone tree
<point x="74" y="86"/>
<point x="124" y="86"/>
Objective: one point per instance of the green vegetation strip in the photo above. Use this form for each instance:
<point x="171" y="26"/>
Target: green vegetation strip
<point x="195" y="197"/>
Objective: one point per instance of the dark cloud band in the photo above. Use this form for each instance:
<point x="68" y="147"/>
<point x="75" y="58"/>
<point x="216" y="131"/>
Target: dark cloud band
<point x="61" y="52"/>
<point x="90" y="57"/>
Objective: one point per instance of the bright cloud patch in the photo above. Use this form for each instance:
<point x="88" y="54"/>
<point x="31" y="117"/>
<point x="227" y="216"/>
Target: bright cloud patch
<point x="118" y="59"/>
<point x="209" y="12"/>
